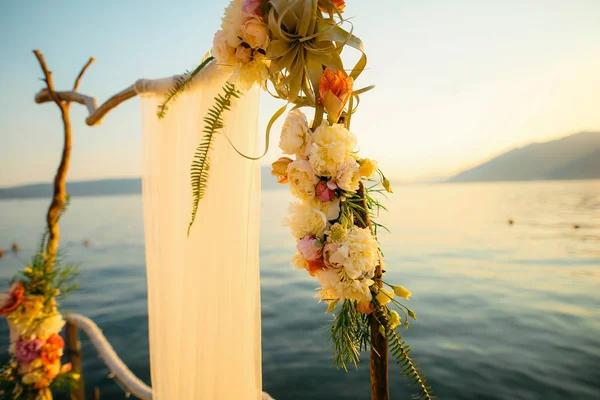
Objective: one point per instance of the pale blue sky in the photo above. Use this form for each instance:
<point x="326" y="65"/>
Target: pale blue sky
<point x="458" y="81"/>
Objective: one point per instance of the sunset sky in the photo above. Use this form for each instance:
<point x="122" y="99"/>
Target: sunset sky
<point x="457" y="82"/>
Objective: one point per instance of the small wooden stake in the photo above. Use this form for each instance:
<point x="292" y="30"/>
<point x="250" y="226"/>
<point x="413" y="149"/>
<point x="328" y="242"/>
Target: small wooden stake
<point x="96" y="394"/>
<point x="380" y="389"/>
<point x="74" y="354"/>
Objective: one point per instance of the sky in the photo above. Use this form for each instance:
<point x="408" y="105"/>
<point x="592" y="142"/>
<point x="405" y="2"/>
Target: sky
<point x="457" y="81"/>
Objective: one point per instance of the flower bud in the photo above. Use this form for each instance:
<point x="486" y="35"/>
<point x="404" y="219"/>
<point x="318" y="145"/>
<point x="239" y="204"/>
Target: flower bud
<point x="401" y="291"/>
<point x="280" y="169"/>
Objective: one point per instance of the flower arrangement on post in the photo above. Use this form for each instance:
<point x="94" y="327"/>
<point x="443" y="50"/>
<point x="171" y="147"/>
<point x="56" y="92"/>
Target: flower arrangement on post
<point x="36" y="347"/>
<point x="34" y="369"/>
<point x="291" y="48"/>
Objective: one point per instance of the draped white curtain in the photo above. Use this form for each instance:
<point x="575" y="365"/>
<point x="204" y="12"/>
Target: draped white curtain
<point x="203" y="290"/>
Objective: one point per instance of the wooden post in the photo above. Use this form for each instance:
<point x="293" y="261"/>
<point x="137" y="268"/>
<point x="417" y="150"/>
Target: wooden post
<point x="380" y="389"/>
<point x="74" y="354"/>
<point x="96" y="394"/>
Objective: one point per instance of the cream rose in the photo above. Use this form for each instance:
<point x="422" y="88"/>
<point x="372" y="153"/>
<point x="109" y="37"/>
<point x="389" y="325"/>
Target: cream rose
<point x="256" y="71"/>
<point x="302" y="179"/>
<point x="295" y="134"/>
<point x="255" y="33"/>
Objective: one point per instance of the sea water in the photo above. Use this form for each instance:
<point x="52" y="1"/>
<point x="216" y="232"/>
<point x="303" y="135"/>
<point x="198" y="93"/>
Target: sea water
<point x="504" y="311"/>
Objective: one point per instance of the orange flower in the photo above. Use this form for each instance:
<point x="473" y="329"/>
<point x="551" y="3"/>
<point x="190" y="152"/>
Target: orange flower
<point x="66" y="368"/>
<point x="313" y="266"/>
<point x="335" y="89"/>
<point x="9" y="302"/>
<point x="280" y="169"/>
<point x="364" y="307"/>
<point x="340" y="4"/>
<point x="52" y="351"/>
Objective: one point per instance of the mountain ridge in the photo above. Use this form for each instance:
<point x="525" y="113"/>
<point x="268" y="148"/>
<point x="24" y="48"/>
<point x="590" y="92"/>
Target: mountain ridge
<point x="569" y="157"/>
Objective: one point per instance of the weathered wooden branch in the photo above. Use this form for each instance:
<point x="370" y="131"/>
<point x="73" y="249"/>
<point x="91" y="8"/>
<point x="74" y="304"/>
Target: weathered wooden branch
<point x="60" y="192"/>
<point x="380" y="389"/>
<point x="85" y="67"/>
<point x="95" y="113"/>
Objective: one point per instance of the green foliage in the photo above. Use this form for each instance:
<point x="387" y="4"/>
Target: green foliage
<point x="350" y="334"/>
<point x="182" y="81"/>
<point x="201" y="163"/>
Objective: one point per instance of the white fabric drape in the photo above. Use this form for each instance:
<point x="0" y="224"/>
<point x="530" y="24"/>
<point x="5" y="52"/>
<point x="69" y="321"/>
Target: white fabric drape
<point x="203" y="290"/>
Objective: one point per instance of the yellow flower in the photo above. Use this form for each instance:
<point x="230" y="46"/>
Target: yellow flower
<point x="33" y="377"/>
<point x="401" y="291"/>
<point x="44" y="394"/>
<point x="367" y="167"/>
<point x="384" y="296"/>
<point x="394" y="318"/>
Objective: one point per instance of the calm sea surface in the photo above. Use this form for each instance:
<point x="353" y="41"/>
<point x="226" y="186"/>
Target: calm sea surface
<point x="505" y="312"/>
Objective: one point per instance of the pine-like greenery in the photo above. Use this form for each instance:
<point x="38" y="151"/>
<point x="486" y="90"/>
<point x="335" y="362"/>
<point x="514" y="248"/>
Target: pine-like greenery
<point x="201" y="163"/>
<point x="182" y="81"/>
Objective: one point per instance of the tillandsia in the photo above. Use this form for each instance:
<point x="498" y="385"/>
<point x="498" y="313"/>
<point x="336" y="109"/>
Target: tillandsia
<point x="292" y="49"/>
<point x="34" y="369"/>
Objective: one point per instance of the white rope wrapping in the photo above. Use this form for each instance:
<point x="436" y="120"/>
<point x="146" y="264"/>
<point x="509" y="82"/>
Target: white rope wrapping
<point x="116" y="366"/>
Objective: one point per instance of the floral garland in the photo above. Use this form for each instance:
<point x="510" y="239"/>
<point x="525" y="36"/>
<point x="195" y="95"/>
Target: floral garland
<point x="291" y="48"/>
<point x="34" y="369"/>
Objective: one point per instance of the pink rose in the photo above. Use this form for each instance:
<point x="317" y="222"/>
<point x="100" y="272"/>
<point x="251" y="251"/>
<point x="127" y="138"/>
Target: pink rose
<point x="27" y="351"/>
<point x="308" y="248"/>
<point x="252" y="7"/>
<point x="324" y="193"/>
<point x="243" y="54"/>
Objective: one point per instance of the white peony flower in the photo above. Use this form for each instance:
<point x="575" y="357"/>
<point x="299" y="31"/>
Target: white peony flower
<point x="306" y="219"/>
<point x="358" y="255"/>
<point x="256" y="71"/>
<point x="348" y="176"/>
<point x="302" y="179"/>
<point x="221" y="51"/>
<point x="331" y="146"/>
<point x="255" y="33"/>
<point x="295" y="134"/>
<point x="232" y="22"/>
<point x="354" y="289"/>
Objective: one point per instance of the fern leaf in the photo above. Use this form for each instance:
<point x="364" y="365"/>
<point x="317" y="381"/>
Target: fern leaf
<point x="180" y="84"/>
<point x="401" y="352"/>
<point x="201" y="164"/>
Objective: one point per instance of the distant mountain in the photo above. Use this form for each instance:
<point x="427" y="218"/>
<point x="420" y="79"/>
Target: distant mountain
<point x="572" y="157"/>
<point x="105" y="187"/>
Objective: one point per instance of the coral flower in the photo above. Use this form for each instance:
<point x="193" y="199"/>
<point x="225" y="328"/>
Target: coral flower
<point x="340" y="4"/>
<point x="315" y="265"/>
<point x="10" y="301"/>
<point x="364" y="307"/>
<point x="335" y="89"/>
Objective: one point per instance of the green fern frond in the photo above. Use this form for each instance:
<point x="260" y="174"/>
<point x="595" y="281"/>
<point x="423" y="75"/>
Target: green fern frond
<point x="401" y="353"/>
<point x="201" y="163"/>
<point x="180" y="84"/>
